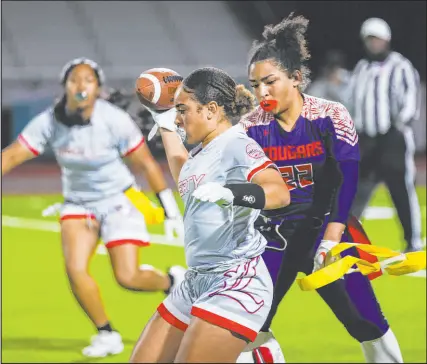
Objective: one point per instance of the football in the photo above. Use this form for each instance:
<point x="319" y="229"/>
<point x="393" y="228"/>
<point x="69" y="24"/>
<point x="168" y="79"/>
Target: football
<point x="156" y="88"/>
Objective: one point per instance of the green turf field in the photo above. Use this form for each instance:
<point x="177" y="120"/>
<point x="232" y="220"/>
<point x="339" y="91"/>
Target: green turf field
<point x="41" y="322"/>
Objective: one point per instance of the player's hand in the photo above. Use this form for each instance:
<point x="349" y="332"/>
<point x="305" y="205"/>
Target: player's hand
<point x="321" y="258"/>
<point x="52" y="210"/>
<point x="164" y="119"/>
<point x="214" y="192"/>
<point x="172" y="226"/>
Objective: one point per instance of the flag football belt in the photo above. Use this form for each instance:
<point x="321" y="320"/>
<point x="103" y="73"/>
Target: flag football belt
<point x="395" y="264"/>
<point x="153" y="214"/>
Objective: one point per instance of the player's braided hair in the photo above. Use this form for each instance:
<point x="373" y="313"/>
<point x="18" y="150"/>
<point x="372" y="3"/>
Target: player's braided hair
<point x="285" y="43"/>
<point x="212" y="84"/>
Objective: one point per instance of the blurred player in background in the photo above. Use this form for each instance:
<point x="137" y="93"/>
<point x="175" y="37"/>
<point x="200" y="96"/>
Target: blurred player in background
<point x="128" y="102"/>
<point x="314" y="144"/>
<point x="333" y="79"/>
<point x="384" y="100"/>
<point x="89" y="137"/>
<point x="224" y="182"/>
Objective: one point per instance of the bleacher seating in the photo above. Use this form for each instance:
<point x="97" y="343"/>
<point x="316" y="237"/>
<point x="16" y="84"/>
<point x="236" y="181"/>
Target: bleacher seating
<point x="126" y="37"/>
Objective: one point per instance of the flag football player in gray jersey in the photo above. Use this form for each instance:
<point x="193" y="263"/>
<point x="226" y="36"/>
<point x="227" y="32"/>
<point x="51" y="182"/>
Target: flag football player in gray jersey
<point x="224" y="182"/>
<point x="90" y="137"/>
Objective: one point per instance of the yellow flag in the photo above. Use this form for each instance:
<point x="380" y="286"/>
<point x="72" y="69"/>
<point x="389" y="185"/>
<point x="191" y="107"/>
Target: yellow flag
<point x="153" y="214"/>
<point x="395" y="264"/>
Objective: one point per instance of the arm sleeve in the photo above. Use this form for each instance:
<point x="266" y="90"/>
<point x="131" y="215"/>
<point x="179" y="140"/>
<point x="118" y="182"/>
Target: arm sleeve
<point x="37" y="133"/>
<point x="345" y="192"/>
<point x="344" y="149"/>
<point x="408" y="88"/>
<point x="243" y="159"/>
<point x="129" y="135"/>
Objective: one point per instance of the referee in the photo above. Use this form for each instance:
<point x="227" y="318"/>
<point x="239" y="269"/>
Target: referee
<point x="384" y="100"/>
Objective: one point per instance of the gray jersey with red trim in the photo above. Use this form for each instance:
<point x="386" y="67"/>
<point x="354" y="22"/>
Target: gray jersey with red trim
<point x="90" y="156"/>
<point x="216" y="235"/>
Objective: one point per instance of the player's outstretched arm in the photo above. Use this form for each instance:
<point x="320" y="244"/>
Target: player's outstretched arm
<point x="345" y="151"/>
<point x="176" y="152"/>
<point x="142" y="161"/>
<point x="14" y="155"/>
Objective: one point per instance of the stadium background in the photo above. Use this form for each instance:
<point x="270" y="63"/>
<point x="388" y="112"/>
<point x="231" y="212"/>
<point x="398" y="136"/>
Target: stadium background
<point x="40" y="320"/>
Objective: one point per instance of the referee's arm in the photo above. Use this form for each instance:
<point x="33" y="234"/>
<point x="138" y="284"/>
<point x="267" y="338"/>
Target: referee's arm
<point x="408" y="84"/>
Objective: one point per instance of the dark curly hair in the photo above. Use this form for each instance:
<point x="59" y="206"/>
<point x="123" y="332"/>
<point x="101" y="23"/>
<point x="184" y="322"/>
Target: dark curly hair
<point x="212" y="84"/>
<point x="285" y="43"/>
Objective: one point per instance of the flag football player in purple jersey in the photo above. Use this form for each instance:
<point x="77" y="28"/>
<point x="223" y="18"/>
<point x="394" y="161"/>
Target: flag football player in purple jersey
<point x="90" y="139"/>
<point x="224" y="182"/>
<point x="315" y="146"/>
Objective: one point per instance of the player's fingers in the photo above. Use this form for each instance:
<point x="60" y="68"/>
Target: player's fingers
<point x="168" y="230"/>
<point x="198" y="194"/>
<point x="213" y="197"/>
<point x="204" y="198"/>
<point x="153" y="132"/>
<point x="200" y="191"/>
<point x="179" y="230"/>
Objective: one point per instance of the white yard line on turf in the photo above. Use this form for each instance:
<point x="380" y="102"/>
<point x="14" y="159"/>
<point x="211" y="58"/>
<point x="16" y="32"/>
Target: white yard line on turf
<point x="51" y="226"/>
<point x="420" y="273"/>
<point x="383" y="212"/>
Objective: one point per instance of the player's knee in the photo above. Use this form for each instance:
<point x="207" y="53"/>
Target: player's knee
<point x="127" y="278"/>
<point x="76" y="272"/>
<point x="363" y="330"/>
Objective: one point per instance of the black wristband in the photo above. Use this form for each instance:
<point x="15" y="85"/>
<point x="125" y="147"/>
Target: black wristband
<point x="248" y="195"/>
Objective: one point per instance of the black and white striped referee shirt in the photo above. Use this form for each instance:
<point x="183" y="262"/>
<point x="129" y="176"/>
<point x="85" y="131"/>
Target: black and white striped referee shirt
<point x="383" y="94"/>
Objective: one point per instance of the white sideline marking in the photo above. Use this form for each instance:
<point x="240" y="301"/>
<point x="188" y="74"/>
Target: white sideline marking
<point x="383" y="212"/>
<point x="420" y="273"/>
<point x="378" y="213"/>
<point x="51" y="226"/>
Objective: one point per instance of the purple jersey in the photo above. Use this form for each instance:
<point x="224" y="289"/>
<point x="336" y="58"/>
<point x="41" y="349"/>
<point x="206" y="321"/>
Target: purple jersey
<point x="307" y="156"/>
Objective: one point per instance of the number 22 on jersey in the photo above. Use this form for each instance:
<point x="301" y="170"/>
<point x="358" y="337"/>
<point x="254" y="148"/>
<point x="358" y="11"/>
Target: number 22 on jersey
<point x="298" y="176"/>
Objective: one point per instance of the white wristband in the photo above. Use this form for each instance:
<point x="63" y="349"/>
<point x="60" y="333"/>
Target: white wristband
<point x="169" y="203"/>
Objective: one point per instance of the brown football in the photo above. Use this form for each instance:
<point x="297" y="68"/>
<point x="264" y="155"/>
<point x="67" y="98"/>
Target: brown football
<point x="156" y="88"/>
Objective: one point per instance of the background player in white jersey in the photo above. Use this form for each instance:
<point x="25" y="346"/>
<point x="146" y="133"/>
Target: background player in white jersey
<point x="89" y="138"/>
<point x="224" y="182"/>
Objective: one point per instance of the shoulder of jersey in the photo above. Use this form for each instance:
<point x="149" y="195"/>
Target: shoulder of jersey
<point x="400" y="59"/>
<point x="256" y="117"/>
<point x="107" y="105"/>
<point x="46" y="114"/>
<point x="316" y="108"/>
<point x="111" y="108"/>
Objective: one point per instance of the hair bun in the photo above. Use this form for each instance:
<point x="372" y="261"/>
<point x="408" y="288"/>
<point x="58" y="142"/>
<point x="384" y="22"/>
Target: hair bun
<point x="244" y="101"/>
<point x="289" y="35"/>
